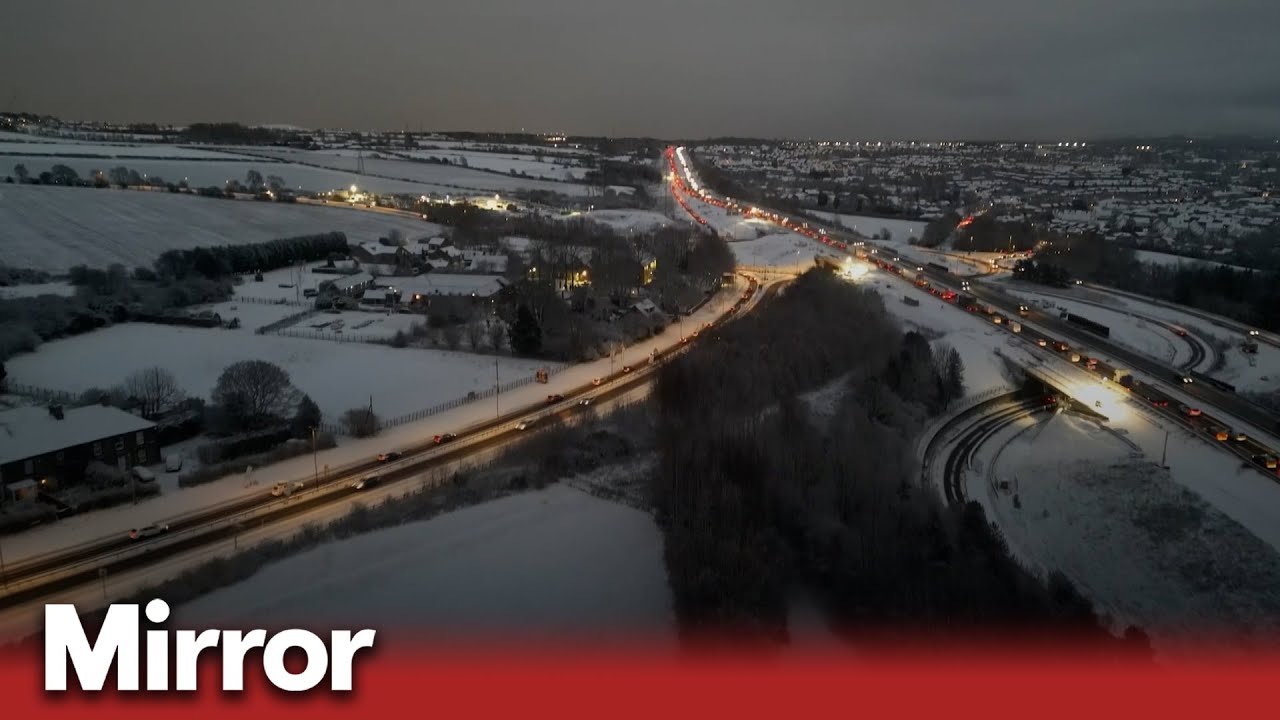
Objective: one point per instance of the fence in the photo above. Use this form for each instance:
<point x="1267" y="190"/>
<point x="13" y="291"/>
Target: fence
<point x="272" y="301"/>
<point x="339" y="429"/>
<point x="284" y="322"/>
<point x="42" y="394"/>
<point x="335" y="337"/>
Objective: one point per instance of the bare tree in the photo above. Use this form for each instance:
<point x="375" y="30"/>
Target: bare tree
<point x="497" y="335"/>
<point x="155" y="388"/>
<point x="475" y="333"/>
<point x="254" y="394"/>
<point x="361" y="422"/>
<point x="396" y="237"/>
<point x="452" y="336"/>
<point x="275" y="182"/>
<point x="253" y="180"/>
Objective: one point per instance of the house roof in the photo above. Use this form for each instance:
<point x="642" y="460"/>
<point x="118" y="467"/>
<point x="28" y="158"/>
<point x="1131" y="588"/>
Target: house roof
<point x="437" y="283"/>
<point x="31" y="431"/>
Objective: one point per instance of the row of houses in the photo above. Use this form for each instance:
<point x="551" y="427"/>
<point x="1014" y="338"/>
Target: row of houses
<point x="43" y="448"/>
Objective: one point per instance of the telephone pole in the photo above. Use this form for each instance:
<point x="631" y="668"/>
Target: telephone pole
<point x="497" y="389"/>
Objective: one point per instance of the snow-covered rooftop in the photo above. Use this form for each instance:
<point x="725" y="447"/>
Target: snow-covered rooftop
<point x="31" y="431"/>
<point x="436" y="283"/>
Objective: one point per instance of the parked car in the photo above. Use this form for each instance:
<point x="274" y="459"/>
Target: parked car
<point x="584" y="402"/>
<point x="366" y="482"/>
<point x="389" y="456"/>
<point x="143" y="475"/>
<point x="524" y="425"/>
<point x="552" y="399"/>
<point x="626" y="368"/>
<point x="444" y="438"/>
<point x="597" y="381"/>
<point x="173" y="463"/>
<point x="149" y="531"/>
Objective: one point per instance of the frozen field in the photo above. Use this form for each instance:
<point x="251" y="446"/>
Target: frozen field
<point x="37" y="289"/>
<point x="1151" y="339"/>
<point x="1187" y="553"/>
<point x="899" y="230"/>
<point x="451" y="177"/>
<point x="785" y="250"/>
<point x="629" y="220"/>
<point x="52" y="228"/>
<point x="556" y="563"/>
<point x="216" y="173"/>
<point x="103" y="151"/>
<point x="338" y="376"/>
<point x="552" y="169"/>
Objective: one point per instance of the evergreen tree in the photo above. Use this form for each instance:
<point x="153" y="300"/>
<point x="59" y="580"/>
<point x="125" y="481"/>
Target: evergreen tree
<point x="526" y="336"/>
<point x="307" y="416"/>
<point x="955" y="374"/>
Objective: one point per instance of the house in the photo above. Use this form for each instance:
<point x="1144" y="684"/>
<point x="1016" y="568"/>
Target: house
<point x="49" y="447"/>
<point x="422" y="288"/>
<point x="380" y="296"/>
<point x="348" y="284"/>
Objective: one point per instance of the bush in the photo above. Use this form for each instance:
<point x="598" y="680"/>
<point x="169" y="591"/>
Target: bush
<point x="361" y="422"/>
<point x="20" y="516"/>
<point x="291" y="449"/>
<point x="84" y="498"/>
<point x="240" y="445"/>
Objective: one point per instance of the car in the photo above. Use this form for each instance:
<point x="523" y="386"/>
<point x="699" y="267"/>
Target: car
<point x="149" y="531"/>
<point x="1253" y="333"/>
<point x="1241" y="437"/>
<point x="626" y="368"/>
<point x="389" y="456"/>
<point x="1192" y="412"/>
<point x="1187" y="380"/>
<point x="1042" y="342"/>
<point x="551" y="399"/>
<point x="366" y="482"/>
<point x="444" y="438"/>
<point x="584" y="402"/>
<point x="1079" y="282"/>
<point x="284" y="489"/>
<point x="524" y="425"/>
<point x="596" y="381"/>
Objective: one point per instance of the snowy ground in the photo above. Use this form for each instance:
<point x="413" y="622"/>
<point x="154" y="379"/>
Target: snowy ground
<point x="418" y="172"/>
<point x="550" y="563"/>
<point x="52" y="228"/>
<point x="973" y="337"/>
<point x="1159" y="258"/>
<point x="216" y="173"/>
<point x="899" y="230"/>
<point x="332" y="360"/>
<point x="552" y="169"/>
<point x="629" y="220"/>
<point x="785" y="251"/>
<point x="101" y="151"/>
<point x="37" y="289"/>
<point x="338" y="376"/>
<point x="1187" y="553"/>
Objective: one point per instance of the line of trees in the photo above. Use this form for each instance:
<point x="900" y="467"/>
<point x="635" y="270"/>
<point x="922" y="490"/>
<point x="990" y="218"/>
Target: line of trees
<point x="757" y="494"/>
<point x="221" y="261"/>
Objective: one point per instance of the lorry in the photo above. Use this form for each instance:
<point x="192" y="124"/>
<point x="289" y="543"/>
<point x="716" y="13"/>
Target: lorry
<point x="1123" y="377"/>
<point x="285" y="489"/>
<point x="1015" y="326"/>
<point x="1075" y="357"/>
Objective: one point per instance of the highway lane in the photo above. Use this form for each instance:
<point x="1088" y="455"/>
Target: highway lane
<point x="973" y="438"/>
<point x="82" y="564"/>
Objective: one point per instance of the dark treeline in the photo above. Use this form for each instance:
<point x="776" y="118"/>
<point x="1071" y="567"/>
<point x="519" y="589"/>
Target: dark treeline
<point x="221" y="261"/>
<point x="757" y="496"/>
<point x="1249" y="296"/>
<point x="237" y="134"/>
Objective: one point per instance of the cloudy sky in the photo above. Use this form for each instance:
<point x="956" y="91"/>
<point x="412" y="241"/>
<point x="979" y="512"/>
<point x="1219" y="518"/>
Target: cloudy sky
<point x="679" y="69"/>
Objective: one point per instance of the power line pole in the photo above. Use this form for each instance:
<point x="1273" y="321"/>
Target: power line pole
<point x="1164" y="453"/>
<point x="497" y="389"/>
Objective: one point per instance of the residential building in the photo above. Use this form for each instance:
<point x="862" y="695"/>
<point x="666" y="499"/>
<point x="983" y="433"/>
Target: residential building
<point x="48" y="447"/>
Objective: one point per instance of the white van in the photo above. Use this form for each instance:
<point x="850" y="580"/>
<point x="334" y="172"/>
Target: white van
<point x="142" y="474"/>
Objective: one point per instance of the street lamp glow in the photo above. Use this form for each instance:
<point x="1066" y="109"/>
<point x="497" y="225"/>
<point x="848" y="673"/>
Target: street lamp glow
<point x="353" y="188"/>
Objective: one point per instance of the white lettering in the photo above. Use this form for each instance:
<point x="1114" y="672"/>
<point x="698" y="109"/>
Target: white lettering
<point x="118" y="643"/>
<point x="157" y="647"/>
<point x="344" y="649"/>
<point x="234" y="646"/>
<point x="311" y="675"/>
<point x="117" y="640"/>
<point x="188" y="655"/>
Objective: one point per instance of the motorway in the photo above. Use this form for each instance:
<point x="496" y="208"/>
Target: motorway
<point x="86" y="564"/>
<point x="1257" y="450"/>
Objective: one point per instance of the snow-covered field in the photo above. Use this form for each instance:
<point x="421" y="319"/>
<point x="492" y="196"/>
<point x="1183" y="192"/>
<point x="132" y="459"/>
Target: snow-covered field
<point x="444" y="176"/>
<point x="216" y="173"/>
<point x="37" y="289"/>
<point x="639" y="221"/>
<point x="53" y="228"/>
<point x="103" y="151"/>
<point x="1167" y="260"/>
<point x="899" y="230"/>
<point x="785" y="251"/>
<point x="338" y="376"/>
<point x="1187" y="553"/>
<point x="506" y="163"/>
<point x="550" y="563"/>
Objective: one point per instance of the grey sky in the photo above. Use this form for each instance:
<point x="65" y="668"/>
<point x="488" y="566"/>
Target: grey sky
<point x="668" y="68"/>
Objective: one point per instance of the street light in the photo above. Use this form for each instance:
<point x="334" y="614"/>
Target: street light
<point x="315" y="460"/>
